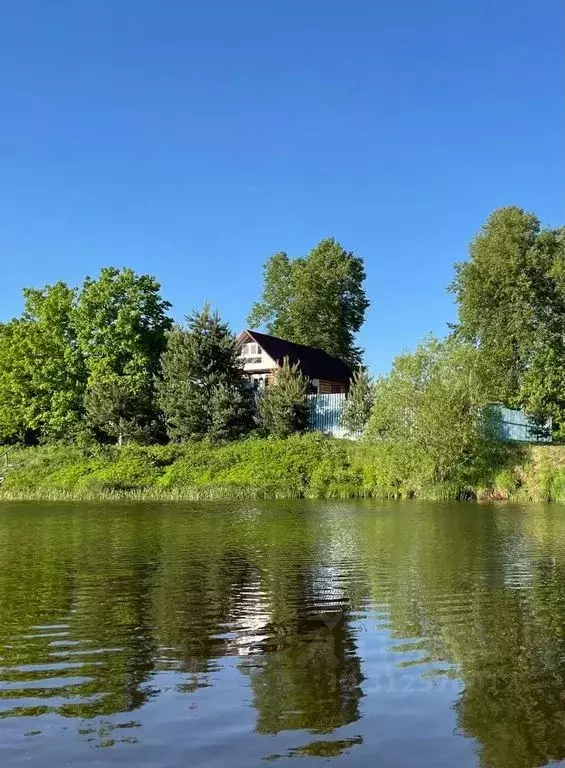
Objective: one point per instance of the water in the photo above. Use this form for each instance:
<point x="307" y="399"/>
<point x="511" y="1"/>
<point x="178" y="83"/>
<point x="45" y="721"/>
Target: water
<point x="365" y="634"/>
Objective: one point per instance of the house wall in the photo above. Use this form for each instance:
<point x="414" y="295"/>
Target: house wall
<point x="256" y="363"/>
<point x="331" y="387"/>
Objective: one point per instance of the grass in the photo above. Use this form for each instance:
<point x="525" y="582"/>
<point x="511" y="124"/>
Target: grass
<point x="302" y="466"/>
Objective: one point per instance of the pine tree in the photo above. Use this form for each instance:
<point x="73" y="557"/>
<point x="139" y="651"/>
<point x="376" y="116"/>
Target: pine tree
<point x="283" y="408"/>
<point x="202" y="392"/>
<point x="122" y="410"/>
<point x="357" y="408"/>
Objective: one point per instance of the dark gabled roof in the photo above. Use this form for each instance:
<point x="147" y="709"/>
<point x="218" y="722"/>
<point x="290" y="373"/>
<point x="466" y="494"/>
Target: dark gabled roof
<point x="314" y="362"/>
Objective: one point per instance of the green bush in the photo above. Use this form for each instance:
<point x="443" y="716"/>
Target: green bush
<point x="334" y="479"/>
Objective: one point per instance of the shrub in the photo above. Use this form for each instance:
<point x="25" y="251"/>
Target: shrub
<point x="357" y="408"/>
<point x="283" y="407"/>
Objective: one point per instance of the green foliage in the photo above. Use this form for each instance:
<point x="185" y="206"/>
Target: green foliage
<point x="392" y="469"/>
<point x="511" y="302"/>
<point x="300" y="466"/>
<point x="357" y="408"/>
<point x="92" y="353"/>
<point x="42" y="374"/>
<point x="272" y="467"/>
<point x="283" y="406"/>
<point x="318" y="299"/>
<point x="507" y="483"/>
<point x="284" y="468"/>
<point x="121" y="322"/>
<point x="333" y="479"/>
<point x="121" y="408"/>
<point x="202" y="391"/>
<point x="431" y="403"/>
<point x="130" y="469"/>
<point x="543" y="383"/>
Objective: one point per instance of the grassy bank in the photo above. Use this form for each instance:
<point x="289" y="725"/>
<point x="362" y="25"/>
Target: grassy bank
<point x="307" y="466"/>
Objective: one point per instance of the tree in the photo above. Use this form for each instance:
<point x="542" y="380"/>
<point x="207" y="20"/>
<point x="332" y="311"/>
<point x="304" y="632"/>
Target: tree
<point x="42" y="372"/>
<point x="317" y="300"/>
<point x="511" y="305"/>
<point x="357" y="408"/>
<point x="432" y="404"/>
<point x="202" y="391"/>
<point x="283" y="407"/>
<point x="120" y="408"/>
<point x="121" y="323"/>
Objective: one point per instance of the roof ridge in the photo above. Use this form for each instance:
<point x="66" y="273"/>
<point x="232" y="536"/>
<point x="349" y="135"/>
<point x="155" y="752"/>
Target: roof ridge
<point x="288" y="341"/>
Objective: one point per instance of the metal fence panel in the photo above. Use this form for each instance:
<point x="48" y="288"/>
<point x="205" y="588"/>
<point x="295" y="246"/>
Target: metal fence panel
<point x="517" y="426"/>
<point x="326" y="414"/>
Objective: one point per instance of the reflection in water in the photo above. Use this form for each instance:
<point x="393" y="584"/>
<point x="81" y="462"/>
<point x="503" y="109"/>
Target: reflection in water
<point x="399" y="634"/>
<point x="308" y="677"/>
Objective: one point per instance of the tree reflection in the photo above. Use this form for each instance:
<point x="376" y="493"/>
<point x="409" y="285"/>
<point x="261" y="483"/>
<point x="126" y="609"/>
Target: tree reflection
<point x="308" y="677"/>
<point x="486" y="594"/>
<point x="514" y="697"/>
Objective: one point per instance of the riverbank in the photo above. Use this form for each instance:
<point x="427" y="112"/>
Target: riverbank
<point x="303" y="466"/>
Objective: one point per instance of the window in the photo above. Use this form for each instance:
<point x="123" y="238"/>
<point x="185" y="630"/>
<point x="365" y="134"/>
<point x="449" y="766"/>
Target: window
<point x="260" y="381"/>
<point x="251" y="350"/>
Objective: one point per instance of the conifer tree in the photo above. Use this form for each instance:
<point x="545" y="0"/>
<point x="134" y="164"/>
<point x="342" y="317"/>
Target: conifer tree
<point x="202" y="392"/>
<point x="357" y="408"/>
<point x="283" y="408"/>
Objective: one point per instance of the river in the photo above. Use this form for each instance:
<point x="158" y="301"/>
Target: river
<point x="363" y="633"/>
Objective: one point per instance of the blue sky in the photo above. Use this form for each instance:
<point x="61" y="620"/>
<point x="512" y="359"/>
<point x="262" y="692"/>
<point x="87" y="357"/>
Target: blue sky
<point x="192" y="140"/>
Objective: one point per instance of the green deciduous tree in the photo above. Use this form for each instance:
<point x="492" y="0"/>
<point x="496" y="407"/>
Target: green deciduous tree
<point x="432" y="404"/>
<point x="317" y="300"/>
<point x="202" y="391"/>
<point x="511" y="305"/>
<point x="121" y="323"/>
<point x="283" y="407"/>
<point x="357" y="407"/>
<point x="42" y="372"/>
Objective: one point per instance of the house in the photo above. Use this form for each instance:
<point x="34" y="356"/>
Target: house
<point x="262" y="355"/>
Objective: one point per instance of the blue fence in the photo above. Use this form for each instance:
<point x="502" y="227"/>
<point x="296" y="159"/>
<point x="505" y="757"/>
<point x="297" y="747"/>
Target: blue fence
<point x="518" y="427"/>
<point x="326" y="415"/>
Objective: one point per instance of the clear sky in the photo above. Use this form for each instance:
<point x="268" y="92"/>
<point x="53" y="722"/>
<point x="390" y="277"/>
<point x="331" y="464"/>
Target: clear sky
<point x="193" y="139"/>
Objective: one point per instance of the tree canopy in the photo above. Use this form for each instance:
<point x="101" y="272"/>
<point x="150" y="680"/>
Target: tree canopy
<point x="90" y="352"/>
<point x="121" y="323"/>
<point x="431" y="403"/>
<point x="202" y="391"/>
<point x="42" y="373"/>
<point x="511" y="305"/>
<point x="318" y="299"/>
